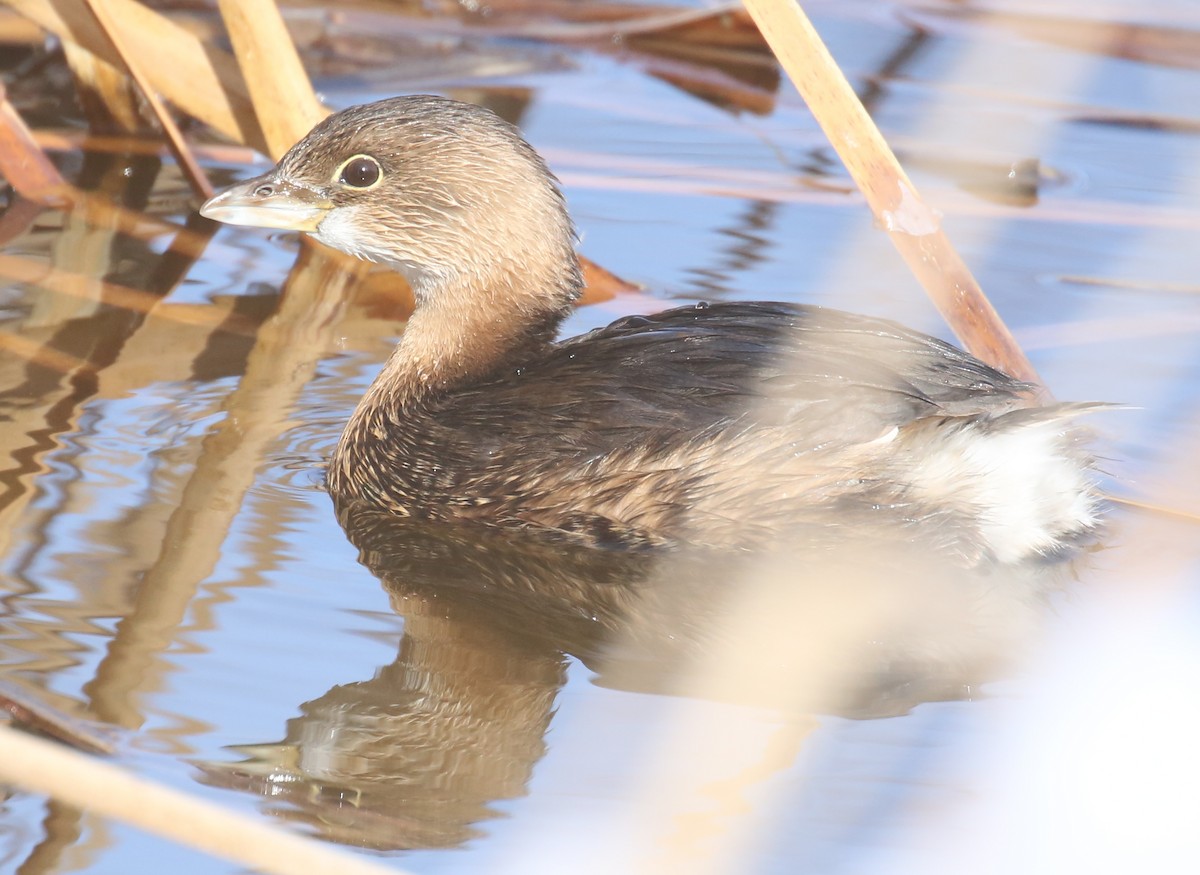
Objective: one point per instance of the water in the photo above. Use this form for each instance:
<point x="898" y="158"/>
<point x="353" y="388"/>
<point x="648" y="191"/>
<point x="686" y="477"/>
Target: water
<point x="170" y="565"/>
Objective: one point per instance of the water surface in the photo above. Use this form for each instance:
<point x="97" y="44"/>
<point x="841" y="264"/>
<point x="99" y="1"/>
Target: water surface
<point x="170" y="565"/>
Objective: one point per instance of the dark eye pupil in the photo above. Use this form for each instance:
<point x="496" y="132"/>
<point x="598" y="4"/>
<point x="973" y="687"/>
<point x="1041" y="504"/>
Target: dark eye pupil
<point x="360" y="173"/>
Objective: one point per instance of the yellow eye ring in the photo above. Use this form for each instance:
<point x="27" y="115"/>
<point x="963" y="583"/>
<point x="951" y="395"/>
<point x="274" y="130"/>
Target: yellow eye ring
<point x="360" y="172"/>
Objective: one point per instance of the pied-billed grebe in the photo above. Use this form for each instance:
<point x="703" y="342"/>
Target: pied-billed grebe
<point x="724" y="424"/>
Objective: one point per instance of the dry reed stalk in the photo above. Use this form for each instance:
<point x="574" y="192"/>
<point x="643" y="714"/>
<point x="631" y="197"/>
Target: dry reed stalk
<point x="200" y="79"/>
<point x="280" y="90"/>
<point x="914" y="228"/>
<point x="23" y="163"/>
<point x="17" y="219"/>
<point x="17" y="30"/>
<point x="179" y="148"/>
<point x="601" y="284"/>
<point x="44" y="767"/>
<point x="29" y="710"/>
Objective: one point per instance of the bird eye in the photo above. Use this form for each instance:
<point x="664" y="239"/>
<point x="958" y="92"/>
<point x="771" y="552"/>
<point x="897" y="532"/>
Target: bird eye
<point x="360" y="171"/>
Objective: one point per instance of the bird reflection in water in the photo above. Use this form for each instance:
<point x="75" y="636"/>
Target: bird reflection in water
<point x="418" y="755"/>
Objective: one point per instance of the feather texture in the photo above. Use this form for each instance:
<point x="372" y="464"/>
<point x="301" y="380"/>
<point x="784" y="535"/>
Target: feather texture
<point x="732" y="425"/>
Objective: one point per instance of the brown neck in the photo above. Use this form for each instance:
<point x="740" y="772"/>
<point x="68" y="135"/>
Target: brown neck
<point x="443" y="347"/>
<point x="455" y="336"/>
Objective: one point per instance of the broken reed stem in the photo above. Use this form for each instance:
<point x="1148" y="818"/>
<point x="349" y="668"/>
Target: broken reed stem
<point x="179" y="148"/>
<point x="283" y="97"/>
<point x="39" y="766"/>
<point x="23" y="163"/>
<point x="31" y="711"/>
<point x="914" y="228"/>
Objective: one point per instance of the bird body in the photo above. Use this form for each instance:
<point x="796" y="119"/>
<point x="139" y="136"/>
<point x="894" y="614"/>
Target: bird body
<point x="729" y="425"/>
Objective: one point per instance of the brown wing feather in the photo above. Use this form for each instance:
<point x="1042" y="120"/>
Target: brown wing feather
<point x="722" y="418"/>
